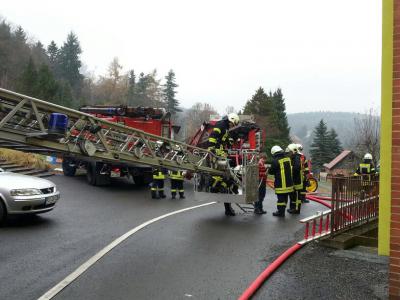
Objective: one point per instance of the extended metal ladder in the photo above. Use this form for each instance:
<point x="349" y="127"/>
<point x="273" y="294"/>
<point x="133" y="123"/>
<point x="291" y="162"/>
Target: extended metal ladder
<point x="25" y="120"/>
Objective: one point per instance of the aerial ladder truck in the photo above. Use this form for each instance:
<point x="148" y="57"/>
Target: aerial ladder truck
<point x="78" y="135"/>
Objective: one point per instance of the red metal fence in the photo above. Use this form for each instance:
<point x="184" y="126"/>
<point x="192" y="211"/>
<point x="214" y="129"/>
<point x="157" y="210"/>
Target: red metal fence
<point x="355" y="200"/>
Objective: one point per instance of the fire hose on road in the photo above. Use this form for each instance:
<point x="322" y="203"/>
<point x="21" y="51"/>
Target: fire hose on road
<point x="258" y="282"/>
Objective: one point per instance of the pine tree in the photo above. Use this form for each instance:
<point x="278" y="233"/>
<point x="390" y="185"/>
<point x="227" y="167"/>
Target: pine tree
<point x="334" y="143"/>
<point x="259" y="104"/>
<point x="39" y="54"/>
<point x="320" y="146"/>
<point x="131" y="88"/>
<point x="20" y="35"/>
<point x="53" y="54"/>
<point x="64" y="94"/>
<point x="279" y="114"/>
<point x="28" y="80"/>
<point x="270" y="115"/>
<point x="70" y="63"/>
<point x="46" y="87"/>
<point x="169" y="92"/>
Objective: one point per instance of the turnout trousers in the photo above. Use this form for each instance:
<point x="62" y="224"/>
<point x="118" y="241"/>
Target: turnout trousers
<point x="157" y="186"/>
<point x="177" y="187"/>
<point x="281" y="202"/>
<point x="261" y="195"/>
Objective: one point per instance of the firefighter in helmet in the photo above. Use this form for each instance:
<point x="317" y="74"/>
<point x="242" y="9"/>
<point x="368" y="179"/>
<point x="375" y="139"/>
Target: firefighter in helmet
<point x="298" y="180"/>
<point x="176" y="178"/>
<point x="306" y="169"/>
<point x="157" y="186"/>
<point x="218" y="140"/>
<point x="281" y="168"/>
<point x="366" y="167"/>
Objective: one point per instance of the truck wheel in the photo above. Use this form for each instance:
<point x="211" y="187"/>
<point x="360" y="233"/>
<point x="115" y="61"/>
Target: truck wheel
<point x="3" y="212"/>
<point x="90" y="174"/>
<point x="68" y="169"/>
<point x="95" y="176"/>
<point x="139" y="180"/>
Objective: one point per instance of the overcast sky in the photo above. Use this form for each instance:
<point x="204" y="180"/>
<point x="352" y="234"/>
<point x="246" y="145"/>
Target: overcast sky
<point x="323" y="54"/>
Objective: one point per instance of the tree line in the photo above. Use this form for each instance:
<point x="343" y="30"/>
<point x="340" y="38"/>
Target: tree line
<point x="54" y="73"/>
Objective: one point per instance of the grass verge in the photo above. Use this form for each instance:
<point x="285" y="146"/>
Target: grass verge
<point x="26" y="159"/>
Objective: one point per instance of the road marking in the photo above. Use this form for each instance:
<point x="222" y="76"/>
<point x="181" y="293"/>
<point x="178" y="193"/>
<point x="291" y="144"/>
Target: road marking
<point x="91" y="261"/>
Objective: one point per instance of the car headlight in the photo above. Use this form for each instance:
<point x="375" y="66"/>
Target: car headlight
<point x="25" y="192"/>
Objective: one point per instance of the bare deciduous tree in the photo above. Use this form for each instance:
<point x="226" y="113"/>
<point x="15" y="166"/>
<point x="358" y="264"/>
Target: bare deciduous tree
<point x="196" y="116"/>
<point x="366" y="137"/>
<point x="229" y="109"/>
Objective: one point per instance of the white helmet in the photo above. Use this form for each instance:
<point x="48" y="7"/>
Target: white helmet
<point x="368" y="156"/>
<point x="300" y="147"/>
<point x="233" y="118"/>
<point x="238" y="170"/>
<point x="292" y="148"/>
<point x="276" y="149"/>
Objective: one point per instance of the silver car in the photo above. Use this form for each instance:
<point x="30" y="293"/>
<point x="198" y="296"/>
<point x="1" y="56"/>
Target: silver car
<point x="22" y="194"/>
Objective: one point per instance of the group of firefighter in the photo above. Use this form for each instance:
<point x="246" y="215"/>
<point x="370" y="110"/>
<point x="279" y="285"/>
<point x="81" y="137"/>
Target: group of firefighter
<point x="289" y="167"/>
<point x="176" y="177"/>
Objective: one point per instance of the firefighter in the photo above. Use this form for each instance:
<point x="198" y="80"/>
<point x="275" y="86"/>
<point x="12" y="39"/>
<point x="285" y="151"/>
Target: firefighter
<point x="262" y="185"/>
<point x="306" y="169"/>
<point x="157" y="186"/>
<point x="176" y="178"/>
<point x="281" y="168"/>
<point x="298" y="180"/>
<point x="366" y="167"/>
<point x="218" y="140"/>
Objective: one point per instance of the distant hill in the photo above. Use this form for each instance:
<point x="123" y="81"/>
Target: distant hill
<point x="303" y="124"/>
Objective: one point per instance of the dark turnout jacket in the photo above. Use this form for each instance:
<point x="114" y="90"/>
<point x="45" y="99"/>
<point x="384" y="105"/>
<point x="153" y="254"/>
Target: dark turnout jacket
<point x="366" y="167"/>
<point x="281" y="168"/>
<point x="219" y="135"/>
<point x="298" y="172"/>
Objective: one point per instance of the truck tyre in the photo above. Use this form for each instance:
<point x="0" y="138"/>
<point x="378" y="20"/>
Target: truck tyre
<point x="68" y="170"/>
<point x="94" y="176"/>
<point x="3" y="212"/>
<point x="90" y="174"/>
<point x="139" y="180"/>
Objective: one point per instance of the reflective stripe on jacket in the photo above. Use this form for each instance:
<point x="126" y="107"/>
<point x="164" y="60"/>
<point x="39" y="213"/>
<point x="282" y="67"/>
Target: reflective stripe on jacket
<point x="298" y="172"/>
<point x="281" y="168"/>
<point x="176" y="175"/>
<point x="159" y="174"/>
<point x="365" y="168"/>
<point x="219" y="135"/>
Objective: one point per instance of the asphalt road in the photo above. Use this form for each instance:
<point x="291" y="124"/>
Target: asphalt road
<point x="198" y="254"/>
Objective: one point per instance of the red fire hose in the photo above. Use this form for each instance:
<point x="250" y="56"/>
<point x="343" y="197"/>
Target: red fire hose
<point x="255" y="285"/>
<point x="249" y="292"/>
<point x="317" y="199"/>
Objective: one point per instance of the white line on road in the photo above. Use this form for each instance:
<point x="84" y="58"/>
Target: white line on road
<point x="91" y="261"/>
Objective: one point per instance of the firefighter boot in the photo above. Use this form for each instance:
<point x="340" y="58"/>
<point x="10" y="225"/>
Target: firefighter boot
<point x="293" y="211"/>
<point x="181" y="195"/>
<point x="154" y="195"/>
<point x="280" y="212"/>
<point x="161" y="194"/>
<point x="173" y="195"/>
<point x="259" y="211"/>
<point x="229" y="210"/>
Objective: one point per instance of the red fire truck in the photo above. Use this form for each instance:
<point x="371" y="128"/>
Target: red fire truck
<point x="152" y="120"/>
